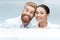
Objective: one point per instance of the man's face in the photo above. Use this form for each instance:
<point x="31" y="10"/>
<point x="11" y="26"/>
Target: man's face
<point x="28" y="13"/>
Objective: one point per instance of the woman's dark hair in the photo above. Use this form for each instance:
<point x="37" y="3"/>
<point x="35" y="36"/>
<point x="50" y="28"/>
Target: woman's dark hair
<point x="45" y="7"/>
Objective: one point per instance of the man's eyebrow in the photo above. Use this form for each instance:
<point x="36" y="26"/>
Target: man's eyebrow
<point x="26" y="8"/>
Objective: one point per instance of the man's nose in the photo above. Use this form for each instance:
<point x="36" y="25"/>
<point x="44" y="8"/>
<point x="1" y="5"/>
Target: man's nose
<point x="28" y="13"/>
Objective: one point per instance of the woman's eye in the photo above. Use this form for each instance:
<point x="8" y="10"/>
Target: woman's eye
<point x="41" y="13"/>
<point x="36" y="12"/>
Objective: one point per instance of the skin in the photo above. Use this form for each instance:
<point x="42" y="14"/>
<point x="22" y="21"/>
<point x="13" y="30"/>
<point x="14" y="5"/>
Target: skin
<point x="27" y="14"/>
<point x="41" y="16"/>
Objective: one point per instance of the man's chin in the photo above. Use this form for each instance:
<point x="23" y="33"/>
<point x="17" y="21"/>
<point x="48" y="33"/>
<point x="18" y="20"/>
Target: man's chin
<point x="26" y="20"/>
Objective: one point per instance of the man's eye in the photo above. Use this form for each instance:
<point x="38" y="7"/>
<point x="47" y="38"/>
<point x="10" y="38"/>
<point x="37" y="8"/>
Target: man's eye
<point x="31" y="12"/>
<point x="26" y="10"/>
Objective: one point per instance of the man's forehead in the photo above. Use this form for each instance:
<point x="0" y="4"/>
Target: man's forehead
<point x="29" y="7"/>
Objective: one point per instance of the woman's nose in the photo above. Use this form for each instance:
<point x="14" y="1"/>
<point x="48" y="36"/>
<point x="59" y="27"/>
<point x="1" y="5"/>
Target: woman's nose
<point x="38" y="14"/>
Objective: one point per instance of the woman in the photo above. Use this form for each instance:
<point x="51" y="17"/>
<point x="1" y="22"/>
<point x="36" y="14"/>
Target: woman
<point x="42" y="13"/>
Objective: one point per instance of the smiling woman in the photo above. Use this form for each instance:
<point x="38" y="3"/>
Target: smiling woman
<point x="42" y="14"/>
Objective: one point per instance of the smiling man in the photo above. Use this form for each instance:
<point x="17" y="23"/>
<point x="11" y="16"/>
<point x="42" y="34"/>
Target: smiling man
<point x="24" y="20"/>
<point x="28" y="13"/>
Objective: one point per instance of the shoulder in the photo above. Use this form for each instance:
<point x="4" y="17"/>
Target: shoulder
<point x="51" y="25"/>
<point x="12" y="20"/>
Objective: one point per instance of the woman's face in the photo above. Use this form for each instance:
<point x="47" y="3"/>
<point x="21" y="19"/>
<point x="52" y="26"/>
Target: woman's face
<point x="41" y="14"/>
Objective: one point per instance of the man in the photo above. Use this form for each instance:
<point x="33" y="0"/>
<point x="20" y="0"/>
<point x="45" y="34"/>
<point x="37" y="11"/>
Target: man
<point x="23" y="21"/>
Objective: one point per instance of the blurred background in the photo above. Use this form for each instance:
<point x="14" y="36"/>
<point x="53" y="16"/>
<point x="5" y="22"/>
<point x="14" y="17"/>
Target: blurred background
<point x="13" y="8"/>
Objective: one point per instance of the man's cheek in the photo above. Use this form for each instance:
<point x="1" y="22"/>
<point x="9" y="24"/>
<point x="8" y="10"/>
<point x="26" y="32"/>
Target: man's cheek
<point x="30" y="16"/>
